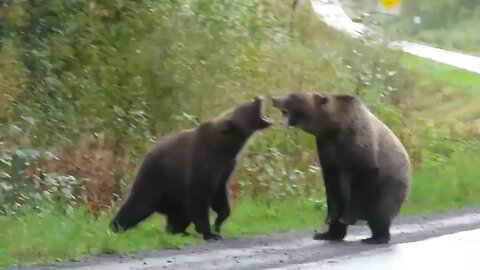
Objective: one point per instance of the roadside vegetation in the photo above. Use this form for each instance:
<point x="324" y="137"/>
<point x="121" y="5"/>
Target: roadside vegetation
<point x="87" y="87"/>
<point x="448" y="24"/>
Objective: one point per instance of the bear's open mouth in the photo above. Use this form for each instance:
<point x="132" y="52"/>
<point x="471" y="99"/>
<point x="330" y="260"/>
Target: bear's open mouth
<point x="279" y="103"/>
<point x="261" y="111"/>
<point x="285" y="117"/>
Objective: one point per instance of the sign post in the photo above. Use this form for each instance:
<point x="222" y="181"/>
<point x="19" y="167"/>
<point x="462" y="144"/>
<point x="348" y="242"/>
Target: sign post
<point x="391" y="7"/>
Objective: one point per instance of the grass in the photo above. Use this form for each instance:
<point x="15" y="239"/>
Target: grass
<point x="450" y="99"/>
<point x="434" y="72"/>
<point x="47" y="236"/>
<point x="453" y="93"/>
<point x="461" y="37"/>
<point x="50" y="235"/>
<point x="445" y="187"/>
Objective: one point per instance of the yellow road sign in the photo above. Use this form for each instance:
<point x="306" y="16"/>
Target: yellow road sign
<point x="389" y="4"/>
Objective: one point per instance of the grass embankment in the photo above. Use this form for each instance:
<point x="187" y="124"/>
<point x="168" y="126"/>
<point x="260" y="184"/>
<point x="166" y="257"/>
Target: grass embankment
<point x="442" y="94"/>
<point x="461" y="36"/>
<point x="51" y="235"/>
<point x="447" y="24"/>
<point x="447" y="100"/>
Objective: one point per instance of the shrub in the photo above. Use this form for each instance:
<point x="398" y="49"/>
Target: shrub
<point x="95" y="83"/>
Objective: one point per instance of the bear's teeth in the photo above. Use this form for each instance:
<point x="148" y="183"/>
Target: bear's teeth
<point x="262" y="109"/>
<point x="285" y="120"/>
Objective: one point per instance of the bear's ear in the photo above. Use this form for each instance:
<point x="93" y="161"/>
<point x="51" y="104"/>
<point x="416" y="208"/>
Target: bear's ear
<point x="227" y="126"/>
<point x="320" y="99"/>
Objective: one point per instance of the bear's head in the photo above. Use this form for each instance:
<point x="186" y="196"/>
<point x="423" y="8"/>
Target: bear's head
<point x="228" y="133"/>
<point x="244" y="119"/>
<point x="319" y="114"/>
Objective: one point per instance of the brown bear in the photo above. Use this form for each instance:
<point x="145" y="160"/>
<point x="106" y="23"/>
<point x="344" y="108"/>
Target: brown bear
<point x="365" y="167"/>
<point x="186" y="173"/>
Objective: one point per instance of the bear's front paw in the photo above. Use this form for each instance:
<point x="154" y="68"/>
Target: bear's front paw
<point x="212" y="237"/>
<point x="328" y="236"/>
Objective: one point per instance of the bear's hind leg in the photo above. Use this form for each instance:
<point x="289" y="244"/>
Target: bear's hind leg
<point x="379" y="220"/>
<point x="351" y="212"/>
<point x="380" y="227"/>
<point x="383" y="210"/>
<point x="197" y="206"/>
<point x="131" y="213"/>
<point x="336" y="232"/>
<point x="177" y="223"/>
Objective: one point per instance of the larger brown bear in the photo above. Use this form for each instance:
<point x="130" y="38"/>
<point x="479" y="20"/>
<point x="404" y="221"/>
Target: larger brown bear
<point x="365" y="167"/>
<point x="185" y="174"/>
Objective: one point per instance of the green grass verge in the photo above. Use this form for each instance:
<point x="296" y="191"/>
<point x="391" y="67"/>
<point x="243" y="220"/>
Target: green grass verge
<point x="435" y="72"/>
<point x="450" y="186"/>
<point x="50" y="235"/>
<point x="444" y="94"/>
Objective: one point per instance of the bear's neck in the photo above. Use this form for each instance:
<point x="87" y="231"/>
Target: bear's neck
<point x="231" y="148"/>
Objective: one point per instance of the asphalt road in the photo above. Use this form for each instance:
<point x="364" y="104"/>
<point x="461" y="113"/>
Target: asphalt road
<point x="297" y="250"/>
<point x="457" y="250"/>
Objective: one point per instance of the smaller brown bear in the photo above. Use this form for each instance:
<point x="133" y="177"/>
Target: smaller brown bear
<point x="365" y="167"/>
<point x="186" y="173"/>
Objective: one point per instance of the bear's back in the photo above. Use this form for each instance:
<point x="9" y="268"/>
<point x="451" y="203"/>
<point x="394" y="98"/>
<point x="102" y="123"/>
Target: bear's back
<point x="391" y="154"/>
<point x="165" y="165"/>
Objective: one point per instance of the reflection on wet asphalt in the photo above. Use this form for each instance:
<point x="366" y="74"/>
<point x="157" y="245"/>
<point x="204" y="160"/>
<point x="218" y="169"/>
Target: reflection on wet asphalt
<point x="454" y="251"/>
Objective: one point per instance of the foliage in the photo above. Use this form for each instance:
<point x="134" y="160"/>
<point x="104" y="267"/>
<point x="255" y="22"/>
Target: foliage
<point x="444" y="13"/>
<point x="450" y="24"/>
<point x="22" y="190"/>
<point x="101" y="81"/>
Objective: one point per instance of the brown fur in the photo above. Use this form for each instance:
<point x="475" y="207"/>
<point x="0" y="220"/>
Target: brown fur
<point x="186" y="173"/>
<point x="365" y="167"/>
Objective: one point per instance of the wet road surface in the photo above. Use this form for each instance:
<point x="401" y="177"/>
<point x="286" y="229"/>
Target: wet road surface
<point x="332" y="13"/>
<point x="453" y="251"/>
<point x="297" y="250"/>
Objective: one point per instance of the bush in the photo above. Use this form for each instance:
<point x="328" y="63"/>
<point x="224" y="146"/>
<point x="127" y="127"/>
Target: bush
<point x="95" y="83"/>
<point x="24" y="190"/>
